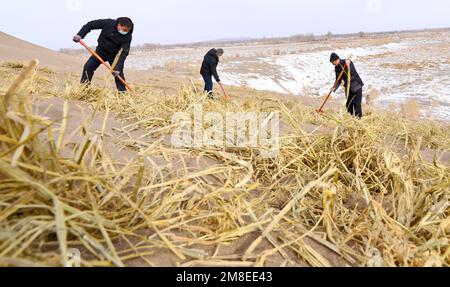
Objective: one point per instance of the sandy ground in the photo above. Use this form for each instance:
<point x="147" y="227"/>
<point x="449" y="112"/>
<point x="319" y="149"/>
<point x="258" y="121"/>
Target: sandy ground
<point x="162" y="81"/>
<point x="14" y="49"/>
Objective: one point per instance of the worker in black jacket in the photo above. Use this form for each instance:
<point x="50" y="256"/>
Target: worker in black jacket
<point x="115" y="38"/>
<point x="354" y="91"/>
<point x="209" y="69"/>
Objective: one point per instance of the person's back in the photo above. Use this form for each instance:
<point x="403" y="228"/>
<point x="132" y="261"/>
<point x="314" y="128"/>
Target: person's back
<point x="209" y="69"/>
<point x="346" y="71"/>
<point x="356" y="81"/>
<point x="210" y="63"/>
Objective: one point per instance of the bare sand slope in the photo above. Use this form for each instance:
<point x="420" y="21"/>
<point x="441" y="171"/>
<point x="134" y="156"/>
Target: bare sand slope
<point x="15" y="49"/>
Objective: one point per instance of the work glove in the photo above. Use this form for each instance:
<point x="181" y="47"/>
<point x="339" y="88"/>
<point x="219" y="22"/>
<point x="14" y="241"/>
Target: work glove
<point x="116" y="74"/>
<point x="76" y="39"/>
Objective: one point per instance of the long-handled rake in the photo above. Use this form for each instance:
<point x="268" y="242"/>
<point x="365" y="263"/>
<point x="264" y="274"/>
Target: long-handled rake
<point x="320" y="110"/>
<point x="224" y="93"/>
<point x="106" y="65"/>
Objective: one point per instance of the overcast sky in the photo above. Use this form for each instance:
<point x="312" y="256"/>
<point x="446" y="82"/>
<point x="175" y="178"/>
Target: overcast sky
<point x="52" y="23"/>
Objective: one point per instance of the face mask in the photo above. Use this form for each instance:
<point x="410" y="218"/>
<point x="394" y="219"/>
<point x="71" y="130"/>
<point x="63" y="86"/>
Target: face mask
<point x="122" y="32"/>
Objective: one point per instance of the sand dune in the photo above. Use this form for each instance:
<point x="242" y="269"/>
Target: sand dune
<point x="15" y="49"/>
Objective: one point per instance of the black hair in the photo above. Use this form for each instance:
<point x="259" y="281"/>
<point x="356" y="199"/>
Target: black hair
<point x="125" y="21"/>
<point x="334" y="57"/>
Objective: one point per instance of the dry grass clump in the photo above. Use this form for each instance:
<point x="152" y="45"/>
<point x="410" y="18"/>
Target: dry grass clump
<point x="13" y="65"/>
<point x="18" y="65"/>
<point x="417" y="66"/>
<point x="36" y="83"/>
<point x="341" y="195"/>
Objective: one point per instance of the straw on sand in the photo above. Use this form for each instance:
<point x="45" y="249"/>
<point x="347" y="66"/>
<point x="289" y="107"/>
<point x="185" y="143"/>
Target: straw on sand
<point x="351" y="193"/>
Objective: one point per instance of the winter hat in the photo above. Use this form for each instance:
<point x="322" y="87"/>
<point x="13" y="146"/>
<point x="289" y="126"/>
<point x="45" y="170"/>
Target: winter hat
<point x="334" y="57"/>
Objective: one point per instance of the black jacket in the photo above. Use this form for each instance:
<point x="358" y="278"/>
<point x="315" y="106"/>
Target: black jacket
<point x="209" y="65"/>
<point x="110" y="41"/>
<point x="356" y="82"/>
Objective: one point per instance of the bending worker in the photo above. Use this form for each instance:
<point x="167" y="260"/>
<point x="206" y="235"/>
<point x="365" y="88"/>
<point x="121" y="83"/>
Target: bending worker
<point x="209" y="69"/>
<point x="353" y="84"/>
<point x="114" y="41"/>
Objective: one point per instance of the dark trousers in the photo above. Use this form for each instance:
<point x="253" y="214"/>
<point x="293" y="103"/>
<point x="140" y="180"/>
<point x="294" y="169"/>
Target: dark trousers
<point x="92" y="65"/>
<point x="209" y="85"/>
<point x="354" y="103"/>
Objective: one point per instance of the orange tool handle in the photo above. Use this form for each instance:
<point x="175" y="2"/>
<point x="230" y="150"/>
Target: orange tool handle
<point x="105" y="64"/>
<point x="334" y="87"/>
<point x="223" y="91"/>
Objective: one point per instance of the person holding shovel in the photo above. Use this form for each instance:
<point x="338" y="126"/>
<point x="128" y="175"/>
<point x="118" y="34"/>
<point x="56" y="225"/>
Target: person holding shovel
<point x="353" y="84"/>
<point x="209" y="70"/>
<point x="113" y="47"/>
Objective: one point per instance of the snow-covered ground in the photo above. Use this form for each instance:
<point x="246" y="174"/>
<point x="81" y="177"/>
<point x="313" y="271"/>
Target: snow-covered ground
<point x="302" y="74"/>
<point x="311" y="74"/>
<point x="414" y="69"/>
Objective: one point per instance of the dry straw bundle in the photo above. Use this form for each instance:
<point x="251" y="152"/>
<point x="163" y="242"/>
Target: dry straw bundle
<point x="347" y="192"/>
